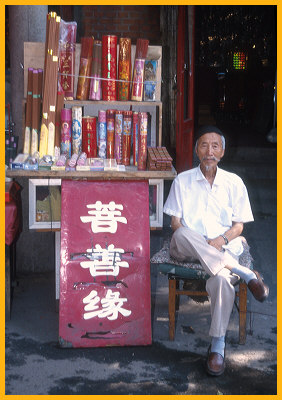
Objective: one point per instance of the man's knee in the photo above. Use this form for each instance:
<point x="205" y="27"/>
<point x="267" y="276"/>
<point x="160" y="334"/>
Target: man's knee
<point x="220" y="282"/>
<point x="179" y="233"/>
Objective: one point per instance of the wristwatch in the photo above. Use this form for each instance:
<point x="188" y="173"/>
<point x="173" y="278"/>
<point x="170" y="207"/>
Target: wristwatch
<point x="225" y="239"/>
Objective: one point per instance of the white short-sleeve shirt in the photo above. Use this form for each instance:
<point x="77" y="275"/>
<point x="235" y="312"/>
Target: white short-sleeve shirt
<point x="208" y="210"/>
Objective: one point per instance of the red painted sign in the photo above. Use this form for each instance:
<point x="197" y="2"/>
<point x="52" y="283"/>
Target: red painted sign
<point x="105" y="264"/>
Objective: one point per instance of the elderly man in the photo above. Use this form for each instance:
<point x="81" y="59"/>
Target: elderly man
<point x="208" y="207"/>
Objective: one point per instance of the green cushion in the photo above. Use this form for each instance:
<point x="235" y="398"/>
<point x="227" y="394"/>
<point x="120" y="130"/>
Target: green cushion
<point x="182" y="272"/>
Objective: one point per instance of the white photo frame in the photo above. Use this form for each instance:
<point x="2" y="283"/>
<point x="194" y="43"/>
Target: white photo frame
<point x="156" y="197"/>
<point x="34" y="220"/>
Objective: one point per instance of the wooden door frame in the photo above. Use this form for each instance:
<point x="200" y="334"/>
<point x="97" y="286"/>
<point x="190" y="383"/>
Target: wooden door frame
<point x="184" y="144"/>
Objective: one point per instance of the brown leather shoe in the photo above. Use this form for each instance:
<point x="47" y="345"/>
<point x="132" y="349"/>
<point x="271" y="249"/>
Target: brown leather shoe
<point x="215" y="363"/>
<point x="258" y="288"/>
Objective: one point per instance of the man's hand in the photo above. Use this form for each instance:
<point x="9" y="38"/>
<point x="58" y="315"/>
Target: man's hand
<point x="175" y="223"/>
<point x="217" y="242"/>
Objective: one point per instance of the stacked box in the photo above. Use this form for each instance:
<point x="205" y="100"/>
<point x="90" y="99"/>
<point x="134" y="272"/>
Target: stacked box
<point x="159" y="159"/>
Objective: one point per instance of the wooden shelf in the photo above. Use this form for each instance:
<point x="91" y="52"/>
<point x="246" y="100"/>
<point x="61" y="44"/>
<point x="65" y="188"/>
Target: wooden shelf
<point x="106" y="103"/>
<point x="130" y="173"/>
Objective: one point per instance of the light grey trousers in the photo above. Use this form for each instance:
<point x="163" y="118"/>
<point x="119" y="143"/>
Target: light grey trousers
<point x="188" y="245"/>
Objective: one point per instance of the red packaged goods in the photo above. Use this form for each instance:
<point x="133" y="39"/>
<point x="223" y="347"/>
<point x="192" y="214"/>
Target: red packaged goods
<point x="110" y="116"/>
<point x="83" y="83"/>
<point x="126" y="137"/>
<point x="118" y="136"/>
<point x="67" y="58"/>
<point x="138" y="72"/>
<point x="124" y="68"/>
<point x="109" y="67"/>
<point x="135" y="137"/>
<point x="89" y="136"/>
<point x="142" y="140"/>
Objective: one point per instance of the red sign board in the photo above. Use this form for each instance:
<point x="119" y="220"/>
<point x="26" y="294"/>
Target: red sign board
<point x="105" y="264"/>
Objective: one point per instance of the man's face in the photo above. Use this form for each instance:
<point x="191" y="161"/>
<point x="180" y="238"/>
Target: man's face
<point x="209" y="149"/>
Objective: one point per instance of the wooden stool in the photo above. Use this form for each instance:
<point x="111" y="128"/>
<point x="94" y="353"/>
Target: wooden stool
<point x="194" y="273"/>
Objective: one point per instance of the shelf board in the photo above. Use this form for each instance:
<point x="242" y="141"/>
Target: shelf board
<point x="131" y="173"/>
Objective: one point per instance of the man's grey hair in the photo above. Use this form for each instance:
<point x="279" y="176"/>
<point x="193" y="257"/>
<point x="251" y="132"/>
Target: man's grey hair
<point x="222" y="142"/>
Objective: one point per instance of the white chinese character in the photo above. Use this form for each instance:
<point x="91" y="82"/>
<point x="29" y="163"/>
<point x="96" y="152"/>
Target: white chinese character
<point x="104" y="217"/>
<point x="104" y="261"/>
<point x="111" y="306"/>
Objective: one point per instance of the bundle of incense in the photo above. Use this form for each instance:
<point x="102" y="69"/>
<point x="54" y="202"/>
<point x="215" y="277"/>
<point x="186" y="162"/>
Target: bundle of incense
<point x="110" y="116"/>
<point x="40" y="91"/>
<point x="109" y="67"/>
<point x="53" y="87"/>
<point x="89" y="136"/>
<point x="59" y="107"/>
<point x="138" y="72"/>
<point x="47" y="132"/>
<point x="159" y="159"/>
<point x="28" y="111"/>
<point x="126" y="137"/>
<point x="82" y="159"/>
<point x="135" y="137"/>
<point x="83" y="82"/>
<point x="124" y="69"/>
<point x="102" y="134"/>
<point x="142" y="140"/>
<point x="66" y="131"/>
<point x="67" y="42"/>
<point x="61" y="160"/>
<point x="95" y="92"/>
<point x="35" y="114"/>
<point x="71" y="163"/>
<point x="76" y="131"/>
<point x="118" y="136"/>
<point x="73" y="160"/>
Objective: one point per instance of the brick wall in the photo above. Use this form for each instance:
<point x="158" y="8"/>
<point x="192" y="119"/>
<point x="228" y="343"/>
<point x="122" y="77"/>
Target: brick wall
<point x="123" y="21"/>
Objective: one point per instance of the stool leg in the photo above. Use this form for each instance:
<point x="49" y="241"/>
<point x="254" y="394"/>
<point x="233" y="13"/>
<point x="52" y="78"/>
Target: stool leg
<point x="177" y="297"/>
<point x="171" y="307"/>
<point x="242" y="312"/>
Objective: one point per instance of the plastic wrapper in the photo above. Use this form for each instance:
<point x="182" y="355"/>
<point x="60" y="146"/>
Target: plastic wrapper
<point x="124" y="69"/>
<point x="126" y="137"/>
<point x="109" y="67"/>
<point x="142" y="140"/>
<point x="150" y="77"/>
<point x="118" y="136"/>
<point x="110" y="116"/>
<point x="83" y="83"/>
<point x="102" y="134"/>
<point x="95" y="92"/>
<point x="67" y="42"/>
<point x="89" y="136"/>
<point x="76" y="129"/>
<point x="135" y="137"/>
<point x="66" y="121"/>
